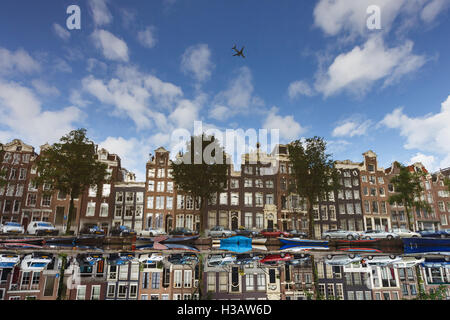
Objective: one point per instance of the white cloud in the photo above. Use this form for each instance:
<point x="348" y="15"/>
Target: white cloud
<point x="357" y="70"/>
<point x="185" y="114"/>
<point x="349" y="18"/>
<point x="77" y="99"/>
<point x="147" y="37"/>
<point x="113" y="48"/>
<point x="288" y="128"/>
<point x="62" y="66"/>
<point x="100" y="12"/>
<point x="433" y="9"/>
<point x="21" y="112"/>
<point x="132" y="152"/>
<point x="238" y="98"/>
<point x="430" y="133"/>
<point x="298" y="88"/>
<point x="196" y="61"/>
<point x="136" y="95"/>
<point x="43" y="88"/>
<point x="61" y="32"/>
<point x="93" y="63"/>
<point x="428" y="161"/>
<point x="19" y="61"/>
<point x="351" y="128"/>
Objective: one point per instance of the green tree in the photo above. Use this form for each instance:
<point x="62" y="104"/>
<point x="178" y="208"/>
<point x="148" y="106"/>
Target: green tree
<point x="447" y="183"/>
<point x="408" y="190"/>
<point x="201" y="171"/>
<point x="70" y="166"/>
<point x="313" y="172"/>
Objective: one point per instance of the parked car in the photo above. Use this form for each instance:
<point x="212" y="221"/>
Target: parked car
<point x="270" y="233"/>
<point x="342" y="259"/>
<point x="405" y="233"/>
<point x="183" y="258"/>
<point x="36" y="262"/>
<point x="219" y="231"/>
<point x="120" y="258"/>
<point x="150" y="232"/>
<point x="182" y="232"/>
<point x="298" y="234"/>
<point x="299" y="258"/>
<point x="41" y="228"/>
<point x="246" y="258"/>
<point x="444" y="233"/>
<point x="122" y="231"/>
<point x="246" y="233"/>
<point x="9" y="260"/>
<point x="382" y="260"/>
<point x="151" y="258"/>
<point x="90" y="258"/>
<point x="276" y="258"/>
<point x="378" y="234"/>
<point x="408" y="262"/>
<point x="215" y="260"/>
<point x="340" y="234"/>
<point x="12" y="227"/>
<point x="92" y="229"/>
<point x="436" y="262"/>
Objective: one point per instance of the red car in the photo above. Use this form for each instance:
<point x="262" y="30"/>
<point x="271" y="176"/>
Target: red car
<point x="270" y="233"/>
<point x="275" y="258"/>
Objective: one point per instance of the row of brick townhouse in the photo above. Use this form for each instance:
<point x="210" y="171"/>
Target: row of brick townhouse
<point x="135" y="280"/>
<point x="256" y="197"/>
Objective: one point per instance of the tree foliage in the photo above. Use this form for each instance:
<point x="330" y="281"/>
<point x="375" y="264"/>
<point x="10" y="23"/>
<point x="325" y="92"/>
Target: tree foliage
<point x="201" y="171"/>
<point x="447" y="183"/>
<point x="70" y="166"/>
<point x="313" y="171"/>
<point x="408" y="191"/>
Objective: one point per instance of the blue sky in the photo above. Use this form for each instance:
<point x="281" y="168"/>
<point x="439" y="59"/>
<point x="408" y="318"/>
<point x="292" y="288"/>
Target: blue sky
<point x="139" y="70"/>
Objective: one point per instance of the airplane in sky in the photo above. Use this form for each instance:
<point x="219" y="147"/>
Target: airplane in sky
<point x="238" y="53"/>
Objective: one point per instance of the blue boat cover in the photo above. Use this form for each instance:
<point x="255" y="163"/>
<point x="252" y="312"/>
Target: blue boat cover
<point x="237" y="244"/>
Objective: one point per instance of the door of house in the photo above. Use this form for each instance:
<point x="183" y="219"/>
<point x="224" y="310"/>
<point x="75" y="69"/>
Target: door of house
<point x="269" y="224"/>
<point x="234" y="223"/>
<point x="25" y="222"/>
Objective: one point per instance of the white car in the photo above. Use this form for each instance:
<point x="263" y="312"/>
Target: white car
<point x="405" y="233"/>
<point x="382" y="260"/>
<point x="12" y="227"/>
<point x="215" y="260"/>
<point x="342" y="259"/>
<point x="9" y="260"/>
<point x="219" y="231"/>
<point x="41" y="228"/>
<point x="35" y="262"/>
<point x="154" y="257"/>
<point x="150" y="232"/>
<point x="378" y="234"/>
<point x="408" y="262"/>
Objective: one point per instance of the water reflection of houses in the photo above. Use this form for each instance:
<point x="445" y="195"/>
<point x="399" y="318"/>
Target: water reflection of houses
<point x="244" y="282"/>
<point x="19" y="284"/>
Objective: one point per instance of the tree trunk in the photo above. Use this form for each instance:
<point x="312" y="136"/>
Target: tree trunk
<point x="311" y="220"/>
<point x="61" y="286"/>
<point x="408" y="219"/>
<point x="317" y="295"/>
<point x="70" y="215"/>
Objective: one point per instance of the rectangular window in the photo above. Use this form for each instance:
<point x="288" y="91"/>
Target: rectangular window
<point x="248" y="199"/>
<point x="234" y="199"/>
<point x="90" y="209"/>
<point x="106" y="190"/>
<point x="104" y="210"/>
<point x="81" y="292"/>
<point x="156" y="279"/>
